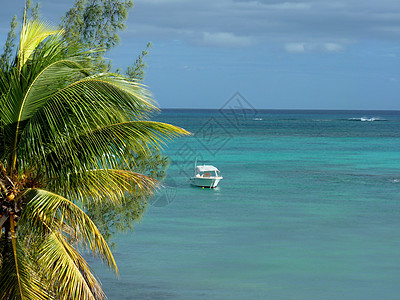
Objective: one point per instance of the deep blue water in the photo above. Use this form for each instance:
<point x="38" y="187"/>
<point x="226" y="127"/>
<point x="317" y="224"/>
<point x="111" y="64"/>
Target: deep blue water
<point x="309" y="208"/>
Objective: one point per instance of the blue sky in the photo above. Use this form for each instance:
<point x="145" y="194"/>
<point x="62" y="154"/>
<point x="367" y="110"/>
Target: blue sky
<point x="311" y="54"/>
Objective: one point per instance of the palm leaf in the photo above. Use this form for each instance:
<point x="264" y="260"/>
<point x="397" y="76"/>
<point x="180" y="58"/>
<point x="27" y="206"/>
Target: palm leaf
<point x="18" y="279"/>
<point x="32" y="34"/>
<point x="54" y="211"/>
<point x="103" y="186"/>
<point x="79" y="107"/>
<point x="70" y="274"/>
<point x="105" y="146"/>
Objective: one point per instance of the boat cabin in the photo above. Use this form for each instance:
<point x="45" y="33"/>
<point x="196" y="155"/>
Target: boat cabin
<point x="206" y="171"/>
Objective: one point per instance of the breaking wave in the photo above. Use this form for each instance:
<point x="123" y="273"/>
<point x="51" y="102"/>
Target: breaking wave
<point x="365" y="119"/>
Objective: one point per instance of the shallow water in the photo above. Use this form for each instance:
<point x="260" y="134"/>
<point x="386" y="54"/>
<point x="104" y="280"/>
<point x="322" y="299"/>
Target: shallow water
<point x="308" y="209"/>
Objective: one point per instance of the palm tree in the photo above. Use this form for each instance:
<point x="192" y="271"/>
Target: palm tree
<point x="68" y="137"/>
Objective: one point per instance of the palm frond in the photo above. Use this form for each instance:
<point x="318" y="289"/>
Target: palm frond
<point x="32" y="34"/>
<point x="104" y="147"/>
<point x="19" y="280"/>
<point x="71" y="276"/>
<point x="103" y="186"/>
<point x="82" y="106"/>
<point x="54" y="211"/>
<point x="69" y="139"/>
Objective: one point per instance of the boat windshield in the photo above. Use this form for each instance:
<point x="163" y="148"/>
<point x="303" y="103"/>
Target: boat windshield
<point x="206" y="174"/>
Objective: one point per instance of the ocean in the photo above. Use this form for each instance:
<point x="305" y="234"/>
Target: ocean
<point x="309" y="208"/>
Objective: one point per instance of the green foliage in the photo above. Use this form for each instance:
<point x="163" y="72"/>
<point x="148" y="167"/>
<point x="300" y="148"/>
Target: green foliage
<point x="78" y="154"/>
<point x="136" y="71"/>
<point x="121" y="218"/>
<point x="31" y="10"/>
<point x="70" y="138"/>
<point x="95" y="24"/>
<point x="9" y="46"/>
<point x="5" y="58"/>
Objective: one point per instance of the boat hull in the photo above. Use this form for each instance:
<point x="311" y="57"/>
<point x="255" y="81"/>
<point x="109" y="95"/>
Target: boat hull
<point x="210" y="182"/>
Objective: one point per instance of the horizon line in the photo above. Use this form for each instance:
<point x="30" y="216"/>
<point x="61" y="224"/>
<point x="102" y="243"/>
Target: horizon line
<point x="300" y="109"/>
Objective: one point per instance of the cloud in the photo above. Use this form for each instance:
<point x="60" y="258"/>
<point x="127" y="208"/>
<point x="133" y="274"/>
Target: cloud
<point x="313" y="47"/>
<point x="333" y="47"/>
<point x="162" y="1"/>
<point x="312" y="21"/>
<point x="236" y="23"/>
<point x="289" y="6"/>
<point x="226" y="39"/>
<point x="295" y="48"/>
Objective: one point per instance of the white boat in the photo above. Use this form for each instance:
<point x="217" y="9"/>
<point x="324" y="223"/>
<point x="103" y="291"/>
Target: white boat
<point x="206" y="176"/>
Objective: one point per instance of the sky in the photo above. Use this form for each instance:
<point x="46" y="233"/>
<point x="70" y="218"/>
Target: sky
<point x="295" y="54"/>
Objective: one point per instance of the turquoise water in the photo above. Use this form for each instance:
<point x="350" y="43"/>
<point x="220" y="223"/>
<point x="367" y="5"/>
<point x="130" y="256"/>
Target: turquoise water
<point x="309" y="208"/>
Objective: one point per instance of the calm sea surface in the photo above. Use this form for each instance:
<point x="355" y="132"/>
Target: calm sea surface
<point x="309" y="208"/>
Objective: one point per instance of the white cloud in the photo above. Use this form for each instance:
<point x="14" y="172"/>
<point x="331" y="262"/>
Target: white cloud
<point x="333" y="47"/>
<point x="226" y="39"/>
<point x="268" y="6"/>
<point x="289" y="6"/>
<point x="313" y="47"/>
<point x="160" y="1"/>
<point x="295" y="47"/>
